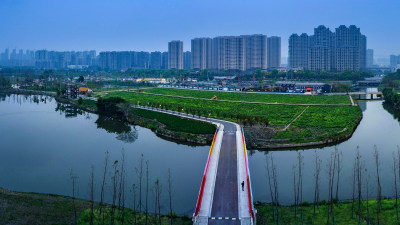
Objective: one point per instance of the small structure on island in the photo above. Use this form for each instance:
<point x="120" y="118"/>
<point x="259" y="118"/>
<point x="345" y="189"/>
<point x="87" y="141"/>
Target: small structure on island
<point x="71" y="91"/>
<point x="85" y="91"/>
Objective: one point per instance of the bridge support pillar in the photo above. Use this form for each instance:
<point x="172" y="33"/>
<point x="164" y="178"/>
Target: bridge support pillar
<point x="372" y="96"/>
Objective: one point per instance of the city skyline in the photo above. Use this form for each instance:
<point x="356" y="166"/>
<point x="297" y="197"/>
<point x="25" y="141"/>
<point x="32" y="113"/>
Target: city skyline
<point x="146" y="26"/>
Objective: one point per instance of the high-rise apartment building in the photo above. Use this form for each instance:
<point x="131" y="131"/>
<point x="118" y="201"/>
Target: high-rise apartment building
<point x="370" y="58"/>
<point x="201" y="53"/>
<point x="164" y="60"/>
<point x="350" y="49"/>
<point x="394" y="61"/>
<point x="245" y="52"/>
<point x="229" y="53"/>
<point x="344" y="49"/>
<point x="155" y="60"/>
<point x="298" y="51"/>
<point x="175" y="55"/>
<point x="187" y="60"/>
<point x="255" y="51"/>
<point x="320" y="50"/>
<point x="273" y="52"/>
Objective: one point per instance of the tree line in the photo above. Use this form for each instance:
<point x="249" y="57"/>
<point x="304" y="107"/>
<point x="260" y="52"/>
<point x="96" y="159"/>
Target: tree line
<point x="392" y="96"/>
<point x="361" y="210"/>
<point x="5" y="82"/>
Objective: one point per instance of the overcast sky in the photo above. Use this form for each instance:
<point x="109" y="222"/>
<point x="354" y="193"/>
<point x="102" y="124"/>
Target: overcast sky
<point x="147" y="25"/>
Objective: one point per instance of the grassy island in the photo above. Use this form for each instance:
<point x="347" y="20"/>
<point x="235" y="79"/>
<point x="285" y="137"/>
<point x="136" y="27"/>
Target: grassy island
<point x="269" y="120"/>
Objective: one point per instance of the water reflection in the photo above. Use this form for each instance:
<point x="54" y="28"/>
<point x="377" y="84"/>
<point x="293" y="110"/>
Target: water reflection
<point x="392" y="110"/>
<point x="68" y="110"/>
<point x="125" y="132"/>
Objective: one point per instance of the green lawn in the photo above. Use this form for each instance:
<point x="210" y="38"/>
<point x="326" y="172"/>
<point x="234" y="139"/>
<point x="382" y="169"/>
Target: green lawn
<point x="320" y="122"/>
<point x="276" y="114"/>
<point x="255" y="97"/>
<point x="176" y="123"/>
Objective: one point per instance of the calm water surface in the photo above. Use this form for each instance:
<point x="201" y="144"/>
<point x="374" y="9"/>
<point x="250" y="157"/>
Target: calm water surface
<point x="41" y="141"/>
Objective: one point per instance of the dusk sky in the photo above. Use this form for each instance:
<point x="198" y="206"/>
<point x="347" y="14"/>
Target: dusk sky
<point x="147" y="25"/>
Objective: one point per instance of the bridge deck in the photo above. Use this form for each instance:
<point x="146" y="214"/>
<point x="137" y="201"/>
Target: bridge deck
<point x="225" y="202"/>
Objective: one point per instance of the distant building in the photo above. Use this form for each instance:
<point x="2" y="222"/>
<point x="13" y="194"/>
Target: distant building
<point x="187" y="60"/>
<point x="164" y="60"/>
<point x="124" y="60"/>
<point x="346" y="48"/>
<point x="274" y="52"/>
<point x="350" y="49"/>
<point x="298" y="51"/>
<point x="256" y="51"/>
<point x="201" y="53"/>
<point x="370" y="58"/>
<point x="394" y="61"/>
<point x="175" y="55"/>
<point x="155" y="60"/>
<point x="229" y="53"/>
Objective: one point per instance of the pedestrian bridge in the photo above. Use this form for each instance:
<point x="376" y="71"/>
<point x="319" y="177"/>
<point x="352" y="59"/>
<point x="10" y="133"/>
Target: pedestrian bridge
<point x="225" y="195"/>
<point x="223" y="200"/>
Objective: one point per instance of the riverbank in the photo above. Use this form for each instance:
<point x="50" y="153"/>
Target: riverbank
<point x="46" y="209"/>
<point x="344" y="213"/>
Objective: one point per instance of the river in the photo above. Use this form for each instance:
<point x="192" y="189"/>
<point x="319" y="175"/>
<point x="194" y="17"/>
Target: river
<point x="41" y="141"/>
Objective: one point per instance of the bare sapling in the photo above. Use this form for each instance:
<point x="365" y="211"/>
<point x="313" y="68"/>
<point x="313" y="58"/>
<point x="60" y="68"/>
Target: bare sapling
<point x="359" y="169"/>
<point x="139" y="171"/>
<point x="73" y="178"/>
<point x="107" y="157"/>
<point x="114" y="179"/>
<point x="354" y="189"/>
<point x="395" y="184"/>
<point x="276" y="193"/>
<point x="300" y="185"/>
<point x="378" y="186"/>
<point x="294" y="192"/>
<point x="121" y="180"/>
<point x="316" y="176"/>
<point x="147" y="190"/>
<point x="339" y="168"/>
<point x="134" y="203"/>
<point x="170" y="194"/>
<point x="269" y="175"/>
<point x="91" y="196"/>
